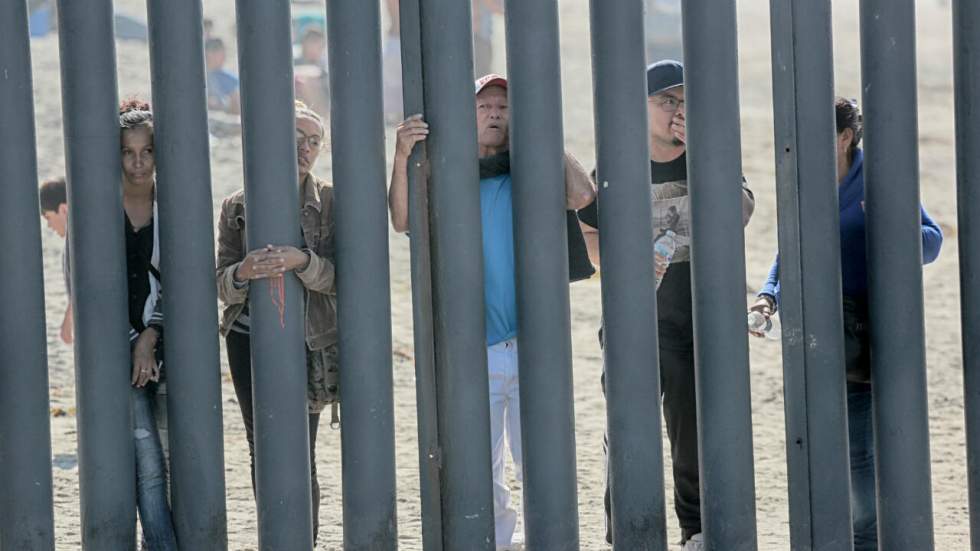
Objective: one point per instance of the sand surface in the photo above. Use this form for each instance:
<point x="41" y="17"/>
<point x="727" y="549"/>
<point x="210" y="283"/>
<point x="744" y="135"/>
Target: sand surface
<point x="941" y="287"/>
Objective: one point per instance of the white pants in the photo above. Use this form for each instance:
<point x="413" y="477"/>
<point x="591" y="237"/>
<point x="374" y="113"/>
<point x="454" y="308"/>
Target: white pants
<point x="505" y="416"/>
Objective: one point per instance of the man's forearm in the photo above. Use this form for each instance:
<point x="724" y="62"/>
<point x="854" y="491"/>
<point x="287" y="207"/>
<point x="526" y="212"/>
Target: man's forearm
<point x="578" y="194"/>
<point x="398" y="194"/>
<point x="591" y="243"/>
<point x="579" y="189"/>
<point x="748" y="205"/>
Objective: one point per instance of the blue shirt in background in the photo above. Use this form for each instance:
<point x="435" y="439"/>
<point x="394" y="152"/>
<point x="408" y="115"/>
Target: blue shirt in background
<point x="500" y="295"/>
<point x="853" y="258"/>
<point x="221" y="84"/>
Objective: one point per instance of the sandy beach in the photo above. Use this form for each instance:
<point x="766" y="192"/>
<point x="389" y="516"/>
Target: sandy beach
<point x="937" y="162"/>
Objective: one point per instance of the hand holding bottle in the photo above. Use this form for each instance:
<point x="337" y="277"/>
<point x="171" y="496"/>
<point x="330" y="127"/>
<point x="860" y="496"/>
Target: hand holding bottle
<point x="761" y="322"/>
<point x="664" y="247"/>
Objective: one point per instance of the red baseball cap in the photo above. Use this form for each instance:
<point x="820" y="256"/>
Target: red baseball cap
<point x="490" y="80"/>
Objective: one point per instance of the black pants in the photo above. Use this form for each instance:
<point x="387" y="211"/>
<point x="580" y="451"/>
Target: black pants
<point x="676" y="337"/>
<point x="240" y="363"/>
<point x="680" y="413"/>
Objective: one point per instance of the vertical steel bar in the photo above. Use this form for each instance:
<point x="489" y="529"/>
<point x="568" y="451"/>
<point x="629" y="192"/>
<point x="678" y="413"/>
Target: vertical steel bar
<point x="810" y="306"/>
<point x="791" y="279"/>
<point x="714" y="171"/>
<point x="966" y="62"/>
<point x="364" y="297"/>
<point x="282" y="459"/>
<point x="894" y="242"/>
<point x="457" y="264"/>
<point x="26" y="509"/>
<point x="541" y="259"/>
<point x="421" y="257"/>
<point x="187" y="252"/>
<point x="98" y="277"/>
<point x="629" y="305"/>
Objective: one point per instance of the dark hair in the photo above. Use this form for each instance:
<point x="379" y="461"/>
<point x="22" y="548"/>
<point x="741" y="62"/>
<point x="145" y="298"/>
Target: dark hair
<point x="52" y="194"/>
<point x="214" y="44"/>
<point x="135" y="113"/>
<point x="312" y="32"/>
<point x="848" y="115"/>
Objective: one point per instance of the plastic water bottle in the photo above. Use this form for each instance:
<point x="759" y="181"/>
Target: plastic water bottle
<point x="758" y="323"/>
<point x="663" y="251"/>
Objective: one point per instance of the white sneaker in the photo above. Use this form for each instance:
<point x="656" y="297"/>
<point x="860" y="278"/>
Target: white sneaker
<point x="694" y="543"/>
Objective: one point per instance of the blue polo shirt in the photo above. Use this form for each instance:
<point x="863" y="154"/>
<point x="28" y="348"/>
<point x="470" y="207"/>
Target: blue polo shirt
<point x="500" y="295"/>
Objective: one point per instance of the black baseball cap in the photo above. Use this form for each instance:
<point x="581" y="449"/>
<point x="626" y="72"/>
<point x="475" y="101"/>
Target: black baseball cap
<point x="664" y="75"/>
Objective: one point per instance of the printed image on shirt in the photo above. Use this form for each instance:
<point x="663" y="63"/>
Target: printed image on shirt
<point x="672" y="211"/>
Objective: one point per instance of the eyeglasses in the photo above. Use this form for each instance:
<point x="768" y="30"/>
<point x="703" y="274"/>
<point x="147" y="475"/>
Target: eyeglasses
<point x="313" y="142"/>
<point x="668" y="102"/>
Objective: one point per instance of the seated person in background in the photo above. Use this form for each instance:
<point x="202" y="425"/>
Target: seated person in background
<point x="313" y="49"/>
<point x="222" y="84"/>
<point x="310" y="70"/>
<point x="483" y="26"/>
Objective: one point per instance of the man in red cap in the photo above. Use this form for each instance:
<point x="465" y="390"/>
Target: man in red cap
<point x="496" y="209"/>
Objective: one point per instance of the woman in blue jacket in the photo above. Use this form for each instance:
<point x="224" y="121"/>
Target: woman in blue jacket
<point x="854" y="280"/>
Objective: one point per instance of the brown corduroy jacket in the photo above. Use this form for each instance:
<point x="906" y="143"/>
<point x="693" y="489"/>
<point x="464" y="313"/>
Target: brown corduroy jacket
<point x="316" y="221"/>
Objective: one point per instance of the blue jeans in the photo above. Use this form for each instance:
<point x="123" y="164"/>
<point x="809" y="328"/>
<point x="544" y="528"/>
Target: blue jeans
<point x="861" y="438"/>
<point x="151" y="473"/>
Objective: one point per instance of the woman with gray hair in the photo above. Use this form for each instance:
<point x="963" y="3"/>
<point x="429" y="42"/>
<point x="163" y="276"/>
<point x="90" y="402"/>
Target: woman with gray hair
<point x="313" y="265"/>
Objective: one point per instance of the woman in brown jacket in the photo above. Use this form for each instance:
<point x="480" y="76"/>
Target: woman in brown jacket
<point x="313" y="266"/>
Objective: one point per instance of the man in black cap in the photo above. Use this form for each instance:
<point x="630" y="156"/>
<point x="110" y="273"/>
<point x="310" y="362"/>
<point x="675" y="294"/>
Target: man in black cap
<point x="671" y="210"/>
